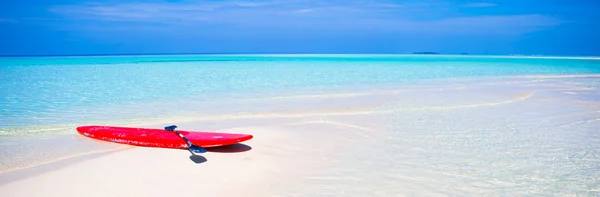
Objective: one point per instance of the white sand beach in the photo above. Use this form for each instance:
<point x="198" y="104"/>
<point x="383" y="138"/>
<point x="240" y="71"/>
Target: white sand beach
<point x="514" y="136"/>
<point x="279" y="153"/>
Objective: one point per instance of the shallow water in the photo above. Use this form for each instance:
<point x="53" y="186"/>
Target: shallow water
<point x="38" y="91"/>
<point x="498" y="143"/>
<point x="450" y="126"/>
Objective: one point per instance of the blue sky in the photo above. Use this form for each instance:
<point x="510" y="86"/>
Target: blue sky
<point x="542" y="27"/>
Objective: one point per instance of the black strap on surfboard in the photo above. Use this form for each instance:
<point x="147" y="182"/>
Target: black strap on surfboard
<point x="191" y="146"/>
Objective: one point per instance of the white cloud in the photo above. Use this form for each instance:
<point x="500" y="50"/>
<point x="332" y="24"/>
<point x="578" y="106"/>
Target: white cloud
<point x="477" y="25"/>
<point x="366" y="15"/>
<point x="5" y="20"/>
<point x="165" y="11"/>
<point x="504" y="24"/>
<point x="135" y="12"/>
<point x="305" y="10"/>
<point x="480" y="4"/>
<point x="251" y="4"/>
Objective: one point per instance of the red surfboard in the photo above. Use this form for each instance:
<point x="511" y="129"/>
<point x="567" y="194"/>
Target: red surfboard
<point x="159" y="137"/>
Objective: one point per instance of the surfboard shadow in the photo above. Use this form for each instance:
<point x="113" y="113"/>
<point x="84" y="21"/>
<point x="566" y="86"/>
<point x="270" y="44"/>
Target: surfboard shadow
<point x="234" y="148"/>
<point x="198" y="159"/>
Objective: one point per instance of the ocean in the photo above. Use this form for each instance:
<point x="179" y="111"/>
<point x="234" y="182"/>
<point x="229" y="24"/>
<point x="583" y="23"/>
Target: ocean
<point x="446" y="124"/>
<point x="42" y="91"/>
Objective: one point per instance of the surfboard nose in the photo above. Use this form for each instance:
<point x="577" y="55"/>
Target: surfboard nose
<point x="82" y="129"/>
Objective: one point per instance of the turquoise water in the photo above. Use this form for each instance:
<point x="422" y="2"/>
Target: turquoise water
<point x="402" y="124"/>
<point x="67" y="90"/>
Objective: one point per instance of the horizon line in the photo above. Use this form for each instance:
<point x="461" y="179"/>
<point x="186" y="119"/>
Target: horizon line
<point x="233" y="53"/>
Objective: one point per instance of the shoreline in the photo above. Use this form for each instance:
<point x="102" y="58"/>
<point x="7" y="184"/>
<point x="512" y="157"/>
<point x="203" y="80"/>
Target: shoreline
<point x="36" y="170"/>
<point x="313" y="93"/>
